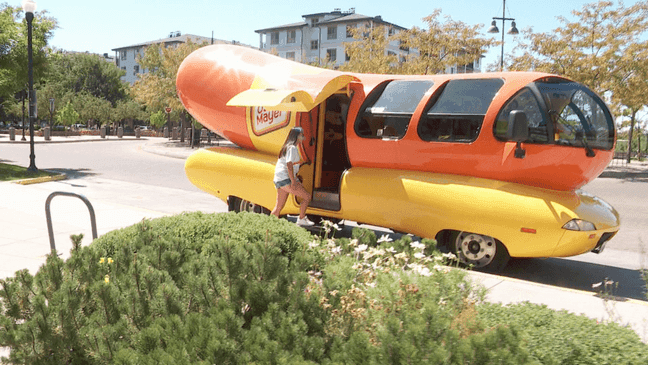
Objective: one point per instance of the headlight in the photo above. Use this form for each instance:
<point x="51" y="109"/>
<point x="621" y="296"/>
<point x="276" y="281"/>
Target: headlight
<point x="579" y="225"/>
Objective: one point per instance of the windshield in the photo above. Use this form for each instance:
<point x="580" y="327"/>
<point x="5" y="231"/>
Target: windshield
<point x="580" y="118"/>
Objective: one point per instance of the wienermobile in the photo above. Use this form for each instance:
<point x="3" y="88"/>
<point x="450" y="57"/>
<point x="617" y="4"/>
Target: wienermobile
<point x="489" y="164"/>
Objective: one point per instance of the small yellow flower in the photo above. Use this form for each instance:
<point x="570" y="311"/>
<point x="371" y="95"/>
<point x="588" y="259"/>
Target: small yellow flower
<point x="110" y="260"/>
<point x="107" y="279"/>
<point x="101" y="260"/>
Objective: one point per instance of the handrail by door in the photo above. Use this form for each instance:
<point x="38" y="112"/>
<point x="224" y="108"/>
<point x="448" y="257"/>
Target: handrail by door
<point x="48" y="215"/>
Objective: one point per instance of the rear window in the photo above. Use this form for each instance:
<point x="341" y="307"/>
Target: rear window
<point x="457" y="114"/>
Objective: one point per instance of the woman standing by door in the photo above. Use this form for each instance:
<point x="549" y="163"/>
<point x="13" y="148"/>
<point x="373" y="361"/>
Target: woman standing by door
<point x="285" y="177"/>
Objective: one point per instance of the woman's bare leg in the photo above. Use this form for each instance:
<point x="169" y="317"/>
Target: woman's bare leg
<point x="282" y="197"/>
<point x="300" y="192"/>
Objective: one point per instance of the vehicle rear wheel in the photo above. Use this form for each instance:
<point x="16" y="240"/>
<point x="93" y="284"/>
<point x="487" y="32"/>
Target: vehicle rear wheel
<point x="483" y="253"/>
<point x="237" y="204"/>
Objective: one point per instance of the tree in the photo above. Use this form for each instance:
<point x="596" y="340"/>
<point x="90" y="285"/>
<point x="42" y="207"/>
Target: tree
<point x="85" y="73"/>
<point x="369" y="54"/>
<point x="158" y="119"/>
<point x="429" y="51"/>
<point x="441" y="45"/>
<point x="156" y="87"/>
<point x="13" y="48"/>
<point x="67" y="116"/>
<point x="589" y="49"/>
<point x="92" y="109"/>
<point x="630" y="86"/>
<point x="128" y="110"/>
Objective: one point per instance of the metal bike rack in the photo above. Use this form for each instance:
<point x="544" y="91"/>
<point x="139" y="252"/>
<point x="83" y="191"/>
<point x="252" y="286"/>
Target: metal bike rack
<point x="48" y="214"/>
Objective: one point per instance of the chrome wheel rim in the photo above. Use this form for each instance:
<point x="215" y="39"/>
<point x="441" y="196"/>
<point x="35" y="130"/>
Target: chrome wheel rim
<point x="247" y="206"/>
<point x="475" y="249"/>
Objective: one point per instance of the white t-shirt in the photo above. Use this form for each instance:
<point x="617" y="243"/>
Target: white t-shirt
<point x="281" y="169"/>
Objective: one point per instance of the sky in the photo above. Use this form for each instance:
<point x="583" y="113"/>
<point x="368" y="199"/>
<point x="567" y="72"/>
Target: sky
<point x="100" y="26"/>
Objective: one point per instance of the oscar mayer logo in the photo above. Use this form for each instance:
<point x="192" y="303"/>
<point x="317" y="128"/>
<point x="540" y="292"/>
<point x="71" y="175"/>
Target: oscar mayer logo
<point x="265" y="121"/>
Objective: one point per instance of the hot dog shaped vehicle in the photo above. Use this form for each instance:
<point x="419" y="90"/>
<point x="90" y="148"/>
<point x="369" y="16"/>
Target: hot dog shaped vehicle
<point x="489" y="164"/>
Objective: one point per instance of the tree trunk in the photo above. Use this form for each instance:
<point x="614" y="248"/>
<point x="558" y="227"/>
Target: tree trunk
<point x="182" y="123"/>
<point x="632" y="124"/>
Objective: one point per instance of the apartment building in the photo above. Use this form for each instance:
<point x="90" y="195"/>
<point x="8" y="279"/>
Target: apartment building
<point x="321" y="37"/>
<point x="126" y="57"/>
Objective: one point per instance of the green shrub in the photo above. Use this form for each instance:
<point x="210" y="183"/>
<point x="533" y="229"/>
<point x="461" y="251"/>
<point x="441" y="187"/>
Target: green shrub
<point x="558" y="337"/>
<point x="245" y="288"/>
<point x="188" y="288"/>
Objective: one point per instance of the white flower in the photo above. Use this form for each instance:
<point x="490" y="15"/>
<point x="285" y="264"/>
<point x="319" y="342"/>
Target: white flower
<point x="336" y="250"/>
<point x="371" y="285"/>
<point x="391" y="250"/>
<point x="384" y="238"/>
<point x="313" y="244"/>
<point x="594" y="286"/>
<point x="361" y="248"/>
<point x="354" y="242"/>
<point x="417" y="245"/>
<point x="425" y="272"/>
<point x="419" y="255"/>
<point x="450" y="256"/>
<point x="401" y="255"/>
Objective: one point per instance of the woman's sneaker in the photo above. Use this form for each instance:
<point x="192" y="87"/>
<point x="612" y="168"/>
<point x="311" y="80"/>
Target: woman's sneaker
<point x="305" y="222"/>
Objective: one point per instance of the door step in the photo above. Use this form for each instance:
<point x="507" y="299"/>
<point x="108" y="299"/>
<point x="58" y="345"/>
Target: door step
<point x="325" y="200"/>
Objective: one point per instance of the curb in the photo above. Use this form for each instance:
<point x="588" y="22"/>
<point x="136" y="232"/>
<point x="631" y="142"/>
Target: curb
<point x="76" y="140"/>
<point x="42" y="179"/>
<point x="552" y="287"/>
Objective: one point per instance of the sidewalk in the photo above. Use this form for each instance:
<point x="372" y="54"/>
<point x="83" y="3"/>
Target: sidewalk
<point x="24" y="239"/>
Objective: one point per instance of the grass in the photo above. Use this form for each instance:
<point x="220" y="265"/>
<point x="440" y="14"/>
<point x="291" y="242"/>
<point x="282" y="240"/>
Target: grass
<point x="13" y="172"/>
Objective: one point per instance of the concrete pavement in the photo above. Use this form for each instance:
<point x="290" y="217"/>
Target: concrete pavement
<point x="24" y="239"/>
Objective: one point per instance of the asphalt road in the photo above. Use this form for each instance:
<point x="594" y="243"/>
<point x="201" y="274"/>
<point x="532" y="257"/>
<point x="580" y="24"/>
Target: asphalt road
<point x="625" y="254"/>
<point x="122" y="160"/>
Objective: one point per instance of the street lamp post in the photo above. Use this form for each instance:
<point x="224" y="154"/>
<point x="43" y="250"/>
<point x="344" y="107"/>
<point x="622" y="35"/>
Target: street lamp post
<point x="494" y="29"/>
<point x="22" y="96"/>
<point x="29" y="6"/>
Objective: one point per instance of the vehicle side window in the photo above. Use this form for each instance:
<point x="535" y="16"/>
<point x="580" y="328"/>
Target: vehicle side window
<point x="458" y="112"/>
<point x="387" y="114"/>
<point x="526" y="102"/>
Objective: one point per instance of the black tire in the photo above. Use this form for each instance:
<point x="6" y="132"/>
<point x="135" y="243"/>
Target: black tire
<point x="481" y="252"/>
<point x="236" y="204"/>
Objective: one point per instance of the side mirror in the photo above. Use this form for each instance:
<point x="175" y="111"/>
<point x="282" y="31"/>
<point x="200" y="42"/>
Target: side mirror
<point x="518" y="131"/>
<point x="518" y="127"/>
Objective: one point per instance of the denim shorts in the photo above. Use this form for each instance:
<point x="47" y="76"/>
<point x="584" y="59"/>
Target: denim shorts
<point x="282" y="183"/>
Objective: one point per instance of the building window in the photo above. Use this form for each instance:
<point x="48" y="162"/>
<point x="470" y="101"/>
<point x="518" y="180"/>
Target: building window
<point x="314" y="21"/>
<point x="274" y="38"/>
<point x="347" y="57"/>
<point x="331" y="54"/>
<point x="122" y="55"/>
<point x="135" y="69"/>
<point x="290" y="55"/>
<point x="314" y="45"/>
<point x="123" y="68"/>
<point x="292" y="36"/>
<point x="332" y="33"/>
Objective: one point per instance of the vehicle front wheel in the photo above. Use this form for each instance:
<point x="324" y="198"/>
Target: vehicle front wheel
<point x="483" y="253"/>
<point x="237" y="204"/>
